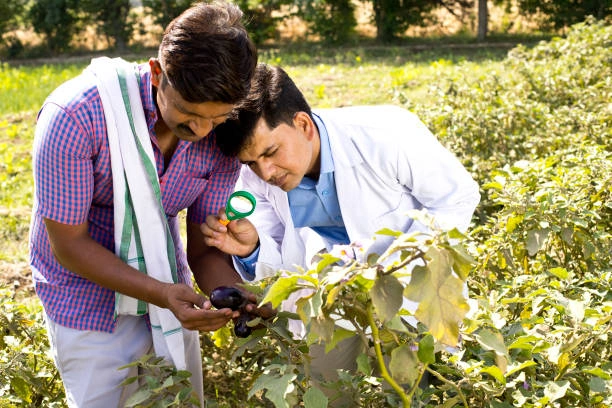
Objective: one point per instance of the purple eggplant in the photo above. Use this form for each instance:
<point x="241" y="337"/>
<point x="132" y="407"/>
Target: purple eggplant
<point x="227" y="296"/>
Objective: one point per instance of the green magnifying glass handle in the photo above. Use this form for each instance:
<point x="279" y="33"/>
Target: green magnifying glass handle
<point x="240" y="204"/>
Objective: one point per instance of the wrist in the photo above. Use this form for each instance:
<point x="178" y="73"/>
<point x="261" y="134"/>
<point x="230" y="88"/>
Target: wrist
<point x="250" y="252"/>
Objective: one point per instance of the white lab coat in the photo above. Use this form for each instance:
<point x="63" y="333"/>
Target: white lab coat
<point x="386" y="163"/>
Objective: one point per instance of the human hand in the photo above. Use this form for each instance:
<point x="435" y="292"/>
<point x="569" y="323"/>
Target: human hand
<point x="194" y="311"/>
<point x="238" y="237"/>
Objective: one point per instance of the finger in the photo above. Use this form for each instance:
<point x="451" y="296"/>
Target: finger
<point x="207" y="320"/>
<point x="222" y="216"/>
<point x="212" y="224"/>
<point x="265" y="312"/>
<point x="250" y="296"/>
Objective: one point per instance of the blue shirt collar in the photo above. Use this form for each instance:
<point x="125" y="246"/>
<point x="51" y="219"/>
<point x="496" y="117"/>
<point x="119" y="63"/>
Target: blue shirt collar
<point x="327" y="162"/>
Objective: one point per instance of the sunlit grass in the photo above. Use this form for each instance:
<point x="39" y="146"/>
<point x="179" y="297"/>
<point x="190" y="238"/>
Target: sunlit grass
<point x="328" y="78"/>
<point x="25" y="88"/>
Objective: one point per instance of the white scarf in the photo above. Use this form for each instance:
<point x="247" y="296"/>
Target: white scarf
<point x="142" y="235"/>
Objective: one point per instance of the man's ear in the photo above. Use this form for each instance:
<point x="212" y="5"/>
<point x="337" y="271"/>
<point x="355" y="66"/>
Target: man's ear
<point x="156" y="72"/>
<point x="303" y="122"/>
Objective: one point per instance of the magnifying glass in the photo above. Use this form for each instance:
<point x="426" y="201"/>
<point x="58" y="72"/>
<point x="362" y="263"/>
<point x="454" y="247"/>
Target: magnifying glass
<point x="240" y="204"/>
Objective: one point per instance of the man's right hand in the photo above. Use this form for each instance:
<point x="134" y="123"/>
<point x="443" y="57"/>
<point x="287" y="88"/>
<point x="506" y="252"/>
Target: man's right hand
<point x="194" y="311"/>
<point x="239" y="237"/>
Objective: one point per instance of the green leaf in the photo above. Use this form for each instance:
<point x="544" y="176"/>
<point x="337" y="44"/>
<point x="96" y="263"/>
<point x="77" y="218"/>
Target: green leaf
<point x="276" y="388"/>
<point x="462" y="261"/>
<point x="404" y="365"/>
<point x="280" y="290"/>
<point x="363" y="364"/>
<point x="332" y="295"/>
<point x="440" y="296"/>
<point x="139" y="397"/>
<point x="314" y="398"/>
<point x="326" y="260"/>
<point x="493" y="185"/>
<point x="426" y="352"/>
<point x="598" y="372"/>
<point x="21" y="387"/>
<point x="495" y="372"/>
<point x="390" y="232"/>
<point x="494" y="341"/>
<point x="373" y="258"/>
<point x="309" y="306"/>
<point x="535" y="240"/>
<point x="339" y="335"/>
<point x="396" y="323"/>
<point x="222" y="336"/>
<point x="322" y="327"/>
<point x="513" y="221"/>
<point x="386" y="296"/>
<point x="559" y="272"/>
<point x="451" y="402"/>
<point x="514" y="368"/>
<point x="598" y="385"/>
<point x="556" y="389"/>
<point x="524" y="342"/>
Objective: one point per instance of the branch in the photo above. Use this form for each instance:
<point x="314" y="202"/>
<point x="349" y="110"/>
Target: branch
<point x="416" y="256"/>
<point x="381" y="361"/>
<point x="450" y="384"/>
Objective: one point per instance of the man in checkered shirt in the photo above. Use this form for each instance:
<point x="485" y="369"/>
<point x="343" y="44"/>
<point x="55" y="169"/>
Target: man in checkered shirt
<point x="204" y="67"/>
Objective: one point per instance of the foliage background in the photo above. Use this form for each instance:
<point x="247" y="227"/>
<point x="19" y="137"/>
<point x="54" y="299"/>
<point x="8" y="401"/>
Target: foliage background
<point x="533" y="125"/>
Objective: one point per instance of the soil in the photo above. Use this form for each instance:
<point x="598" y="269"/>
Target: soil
<point x="17" y="276"/>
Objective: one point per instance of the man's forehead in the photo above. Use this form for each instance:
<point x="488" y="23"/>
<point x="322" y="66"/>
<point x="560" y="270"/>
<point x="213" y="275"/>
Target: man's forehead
<point x="250" y="150"/>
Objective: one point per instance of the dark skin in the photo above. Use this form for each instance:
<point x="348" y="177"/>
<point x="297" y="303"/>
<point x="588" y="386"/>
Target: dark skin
<point x="75" y="250"/>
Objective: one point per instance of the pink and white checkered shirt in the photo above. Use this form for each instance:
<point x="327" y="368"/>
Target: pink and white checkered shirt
<point x="73" y="184"/>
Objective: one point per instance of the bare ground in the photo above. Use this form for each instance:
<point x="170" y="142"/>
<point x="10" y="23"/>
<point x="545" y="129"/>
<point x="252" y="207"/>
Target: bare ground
<point x="16" y="276"/>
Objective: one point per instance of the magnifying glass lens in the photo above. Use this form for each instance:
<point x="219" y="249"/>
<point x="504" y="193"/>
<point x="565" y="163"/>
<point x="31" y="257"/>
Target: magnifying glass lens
<point x="241" y="205"/>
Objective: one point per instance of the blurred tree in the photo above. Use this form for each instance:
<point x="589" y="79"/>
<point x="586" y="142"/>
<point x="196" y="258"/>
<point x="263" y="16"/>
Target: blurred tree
<point x="164" y="11"/>
<point x="56" y="20"/>
<point x="112" y="20"/>
<point x="564" y="13"/>
<point x="11" y="14"/>
<point x="393" y="17"/>
<point x="483" y="20"/>
<point x="260" y="20"/>
<point x="11" y="11"/>
<point x="258" y="14"/>
<point x="333" y="20"/>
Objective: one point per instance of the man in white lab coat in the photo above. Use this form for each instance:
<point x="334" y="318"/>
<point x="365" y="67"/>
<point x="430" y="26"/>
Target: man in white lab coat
<point x="332" y="177"/>
<point x="341" y="173"/>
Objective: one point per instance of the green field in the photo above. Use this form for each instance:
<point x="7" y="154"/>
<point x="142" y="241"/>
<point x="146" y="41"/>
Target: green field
<point x="532" y="124"/>
<point x="328" y="78"/>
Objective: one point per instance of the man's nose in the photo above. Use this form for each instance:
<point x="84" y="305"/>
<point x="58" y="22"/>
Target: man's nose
<point x="201" y="127"/>
<point x="266" y="169"/>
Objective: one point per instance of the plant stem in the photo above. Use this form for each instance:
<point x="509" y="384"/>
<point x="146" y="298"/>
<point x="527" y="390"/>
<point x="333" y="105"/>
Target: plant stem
<point x="449" y="383"/>
<point x="416" y="256"/>
<point x="381" y="361"/>
<point x="418" y="381"/>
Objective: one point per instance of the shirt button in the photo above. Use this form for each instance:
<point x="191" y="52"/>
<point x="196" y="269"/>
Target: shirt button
<point x="325" y="192"/>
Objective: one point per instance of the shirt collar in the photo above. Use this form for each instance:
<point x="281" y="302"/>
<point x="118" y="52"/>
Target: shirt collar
<point x="146" y="95"/>
<point x="327" y="162"/>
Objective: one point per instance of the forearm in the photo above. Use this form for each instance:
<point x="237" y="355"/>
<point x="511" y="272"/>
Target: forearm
<point x="213" y="268"/>
<point x="85" y="257"/>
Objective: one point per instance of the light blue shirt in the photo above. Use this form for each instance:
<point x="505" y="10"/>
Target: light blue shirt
<point x="313" y="203"/>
